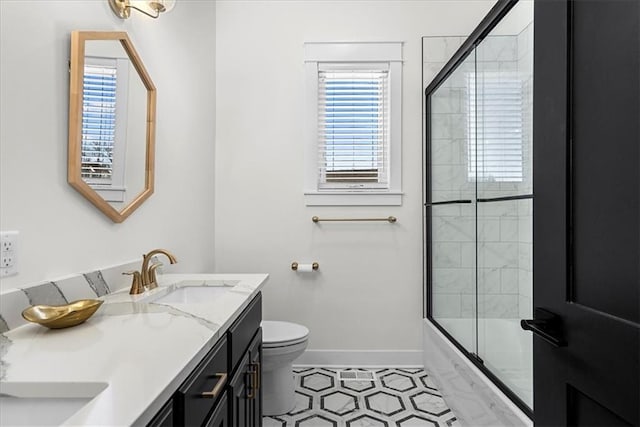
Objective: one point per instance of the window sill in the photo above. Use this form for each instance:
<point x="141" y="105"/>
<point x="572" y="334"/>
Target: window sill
<point x="346" y="198"/>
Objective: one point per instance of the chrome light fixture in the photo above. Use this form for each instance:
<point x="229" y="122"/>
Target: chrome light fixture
<point x="122" y="8"/>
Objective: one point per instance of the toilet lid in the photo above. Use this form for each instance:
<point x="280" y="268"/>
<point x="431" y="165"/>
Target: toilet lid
<point x="275" y="332"/>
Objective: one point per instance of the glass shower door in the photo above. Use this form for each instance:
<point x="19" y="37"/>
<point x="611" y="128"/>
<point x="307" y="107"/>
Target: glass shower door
<point x="452" y="209"/>
<point x="480" y="201"/>
<point x="503" y="109"/>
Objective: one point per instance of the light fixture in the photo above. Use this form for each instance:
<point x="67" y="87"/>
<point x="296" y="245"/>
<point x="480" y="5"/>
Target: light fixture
<point x="122" y="8"/>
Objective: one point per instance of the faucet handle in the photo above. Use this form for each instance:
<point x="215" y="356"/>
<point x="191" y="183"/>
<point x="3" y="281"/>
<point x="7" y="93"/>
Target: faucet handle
<point x="153" y="280"/>
<point x="136" y="284"/>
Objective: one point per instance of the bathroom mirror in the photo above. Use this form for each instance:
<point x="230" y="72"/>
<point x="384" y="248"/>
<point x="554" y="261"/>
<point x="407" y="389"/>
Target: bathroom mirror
<point x="112" y="103"/>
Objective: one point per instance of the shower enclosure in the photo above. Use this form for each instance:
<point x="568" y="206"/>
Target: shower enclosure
<point x="479" y="199"/>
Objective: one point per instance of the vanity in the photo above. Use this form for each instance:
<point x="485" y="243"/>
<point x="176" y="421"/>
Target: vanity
<point x="186" y="353"/>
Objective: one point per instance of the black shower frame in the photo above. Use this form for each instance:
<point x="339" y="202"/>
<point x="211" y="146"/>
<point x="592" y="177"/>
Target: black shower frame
<point x="495" y="15"/>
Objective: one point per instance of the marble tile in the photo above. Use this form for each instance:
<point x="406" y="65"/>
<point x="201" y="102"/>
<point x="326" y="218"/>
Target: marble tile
<point x="509" y="228"/>
<point x="11" y="306"/>
<point x="525" y="256"/>
<point x="453" y="280"/>
<point x="488" y="229"/>
<point x="453" y="229"/>
<point x="498" y="306"/>
<point x="97" y="283"/>
<point x="75" y="288"/>
<point x="446" y="254"/>
<point x="489" y="281"/>
<point x="447" y="305"/>
<point x="398" y="396"/>
<point x="468" y="254"/>
<point x="498" y="255"/>
<point x="525" y="283"/>
<point x="440" y="49"/>
<point x="509" y="281"/>
<point x="47" y="293"/>
<point x="498" y="48"/>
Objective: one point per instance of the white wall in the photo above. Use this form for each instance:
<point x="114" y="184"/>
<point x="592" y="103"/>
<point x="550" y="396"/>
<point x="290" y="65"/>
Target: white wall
<point x="368" y="293"/>
<point x="60" y="232"/>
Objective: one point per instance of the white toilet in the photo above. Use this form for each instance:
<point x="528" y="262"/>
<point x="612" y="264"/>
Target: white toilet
<point x="282" y="343"/>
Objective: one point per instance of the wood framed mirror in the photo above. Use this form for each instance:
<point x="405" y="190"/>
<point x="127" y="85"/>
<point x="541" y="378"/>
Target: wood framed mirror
<point x="112" y="115"/>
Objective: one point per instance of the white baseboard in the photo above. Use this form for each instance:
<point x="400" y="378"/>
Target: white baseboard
<point x="361" y="358"/>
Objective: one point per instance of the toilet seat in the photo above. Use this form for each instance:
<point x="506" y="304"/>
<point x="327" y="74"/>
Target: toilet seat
<point x="282" y="334"/>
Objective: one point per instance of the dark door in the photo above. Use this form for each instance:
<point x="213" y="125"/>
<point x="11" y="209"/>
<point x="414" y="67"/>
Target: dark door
<point x="586" y="210"/>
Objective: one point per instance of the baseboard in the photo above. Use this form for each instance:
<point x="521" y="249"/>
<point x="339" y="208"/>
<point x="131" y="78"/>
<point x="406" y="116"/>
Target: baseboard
<point x="361" y="358"/>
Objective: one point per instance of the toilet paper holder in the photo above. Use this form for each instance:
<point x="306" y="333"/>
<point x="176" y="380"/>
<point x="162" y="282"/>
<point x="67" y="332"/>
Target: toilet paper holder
<point x="314" y="266"/>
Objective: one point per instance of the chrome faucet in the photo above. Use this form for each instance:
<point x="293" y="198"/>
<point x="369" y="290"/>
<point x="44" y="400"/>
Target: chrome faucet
<point x="149" y="272"/>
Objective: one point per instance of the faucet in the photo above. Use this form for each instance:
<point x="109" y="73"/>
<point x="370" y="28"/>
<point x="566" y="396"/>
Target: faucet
<point x="148" y="272"/>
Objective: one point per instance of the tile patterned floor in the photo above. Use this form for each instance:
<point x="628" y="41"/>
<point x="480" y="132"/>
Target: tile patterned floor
<point x="398" y="397"/>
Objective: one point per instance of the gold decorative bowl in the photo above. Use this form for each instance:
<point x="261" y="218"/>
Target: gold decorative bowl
<point x="62" y="316"/>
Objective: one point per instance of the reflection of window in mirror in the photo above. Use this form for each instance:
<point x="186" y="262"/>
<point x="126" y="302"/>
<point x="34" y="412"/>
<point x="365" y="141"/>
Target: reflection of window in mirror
<point x="104" y="105"/>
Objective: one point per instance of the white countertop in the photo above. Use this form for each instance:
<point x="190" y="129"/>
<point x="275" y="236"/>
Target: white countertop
<point x="142" y="351"/>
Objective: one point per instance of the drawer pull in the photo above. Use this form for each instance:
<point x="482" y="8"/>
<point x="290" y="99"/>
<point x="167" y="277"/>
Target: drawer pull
<point x="216" y="390"/>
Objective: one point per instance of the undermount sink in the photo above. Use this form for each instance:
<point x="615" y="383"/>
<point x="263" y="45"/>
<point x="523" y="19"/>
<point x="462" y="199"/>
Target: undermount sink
<point x="193" y="292"/>
<point x="43" y="404"/>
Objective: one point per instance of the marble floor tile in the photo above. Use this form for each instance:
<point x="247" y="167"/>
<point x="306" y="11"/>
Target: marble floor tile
<point x="397" y="397"/>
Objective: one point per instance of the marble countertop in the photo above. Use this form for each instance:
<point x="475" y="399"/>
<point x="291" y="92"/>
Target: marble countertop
<point x="138" y="350"/>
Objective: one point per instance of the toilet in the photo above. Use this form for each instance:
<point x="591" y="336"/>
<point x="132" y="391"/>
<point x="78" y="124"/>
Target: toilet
<point x="282" y="343"/>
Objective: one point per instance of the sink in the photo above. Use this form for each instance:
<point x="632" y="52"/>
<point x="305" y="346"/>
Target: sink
<point x="43" y="404"/>
<point x="193" y="292"/>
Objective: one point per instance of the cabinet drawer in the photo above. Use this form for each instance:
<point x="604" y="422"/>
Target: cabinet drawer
<point x="243" y="330"/>
<point x="195" y="398"/>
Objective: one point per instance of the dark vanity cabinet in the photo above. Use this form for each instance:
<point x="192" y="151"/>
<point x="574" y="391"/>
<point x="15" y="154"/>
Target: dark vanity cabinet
<point x="224" y="388"/>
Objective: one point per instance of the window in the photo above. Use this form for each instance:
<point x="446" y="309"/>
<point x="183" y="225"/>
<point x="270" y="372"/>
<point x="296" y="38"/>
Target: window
<point x="104" y="112"/>
<point x="495" y="128"/>
<point x="353" y="144"/>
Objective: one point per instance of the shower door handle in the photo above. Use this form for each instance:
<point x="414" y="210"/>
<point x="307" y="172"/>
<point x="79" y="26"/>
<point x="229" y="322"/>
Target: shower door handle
<point x="546" y="325"/>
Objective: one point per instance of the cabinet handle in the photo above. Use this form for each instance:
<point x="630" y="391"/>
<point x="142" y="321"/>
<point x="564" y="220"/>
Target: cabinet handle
<point x="252" y="381"/>
<point x="216" y="390"/>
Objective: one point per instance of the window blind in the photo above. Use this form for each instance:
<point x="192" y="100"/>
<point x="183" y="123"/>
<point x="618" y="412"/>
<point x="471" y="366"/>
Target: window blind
<point x="98" y="121"/>
<point x="495" y="151"/>
<point x="353" y="128"/>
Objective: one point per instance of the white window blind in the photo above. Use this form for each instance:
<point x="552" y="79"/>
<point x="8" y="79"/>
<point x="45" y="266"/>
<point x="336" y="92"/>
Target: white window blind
<point x="353" y="128"/>
<point x="99" y="122"/>
<point x="494" y="124"/>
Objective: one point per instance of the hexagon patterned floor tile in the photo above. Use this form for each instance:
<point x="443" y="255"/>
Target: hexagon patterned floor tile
<point x="397" y="397"/>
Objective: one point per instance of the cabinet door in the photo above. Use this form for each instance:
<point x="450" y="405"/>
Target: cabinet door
<point x="255" y="377"/>
<point x="246" y="394"/>
<point x="220" y="415"/>
<point x="240" y="386"/>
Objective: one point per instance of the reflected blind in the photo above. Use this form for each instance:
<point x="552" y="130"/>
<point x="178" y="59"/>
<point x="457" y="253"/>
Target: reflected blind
<point x="353" y="129"/>
<point x="98" y="121"/>
<point x="495" y="127"/>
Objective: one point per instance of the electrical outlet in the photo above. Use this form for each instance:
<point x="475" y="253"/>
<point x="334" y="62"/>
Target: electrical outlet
<point x="8" y="241"/>
<point x="8" y="253"/>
